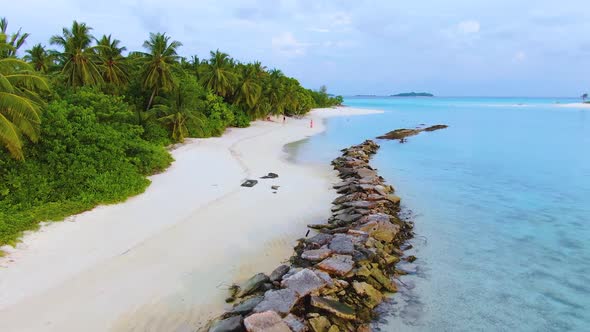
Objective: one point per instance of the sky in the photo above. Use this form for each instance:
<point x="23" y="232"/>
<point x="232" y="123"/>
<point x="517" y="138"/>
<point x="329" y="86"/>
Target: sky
<point x="448" y="47"/>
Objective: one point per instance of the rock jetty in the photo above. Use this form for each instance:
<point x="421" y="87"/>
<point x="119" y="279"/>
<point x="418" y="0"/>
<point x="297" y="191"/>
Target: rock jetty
<point x="338" y="276"/>
<point x="403" y="133"/>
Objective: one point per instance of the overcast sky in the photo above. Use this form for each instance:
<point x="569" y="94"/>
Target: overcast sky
<point x="448" y="47"/>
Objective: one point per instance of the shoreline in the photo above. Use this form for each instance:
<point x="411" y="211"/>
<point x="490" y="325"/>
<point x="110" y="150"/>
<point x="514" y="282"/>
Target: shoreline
<point x="113" y="254"/>
<point x="336" y="279"/>
<point x="575" y="105"/>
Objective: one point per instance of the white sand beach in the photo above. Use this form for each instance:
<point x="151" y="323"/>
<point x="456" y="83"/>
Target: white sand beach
<point x="575" y="105"/>
<point x="162" y="260"/>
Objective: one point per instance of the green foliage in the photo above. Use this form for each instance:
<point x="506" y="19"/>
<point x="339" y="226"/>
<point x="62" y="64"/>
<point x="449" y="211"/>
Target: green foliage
<point x="105" y="123"/>
<point x="84" y="157"/>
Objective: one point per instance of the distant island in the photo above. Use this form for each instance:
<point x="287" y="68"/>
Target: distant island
<point x="413" y="94"/>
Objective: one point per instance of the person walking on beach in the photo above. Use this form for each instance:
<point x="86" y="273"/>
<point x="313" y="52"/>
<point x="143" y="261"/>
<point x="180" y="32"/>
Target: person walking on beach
<point x="311" y="123"/>
<point x="284" y="119"/>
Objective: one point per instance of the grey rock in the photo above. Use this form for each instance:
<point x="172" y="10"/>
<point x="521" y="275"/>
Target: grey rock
<point x="325" y="277"/>
<point x="295" y="323"/>
<point x="281" y="301"/>
<point x="247" y="306"/>
<point x="252" y="285"/>
<point x="360" y="204"/>
<point x="342" y="244"/>
<point x="292" y="271"/>
<point x="320" y="239"/>
<point x="316" y="255"/>
<point x="232" y="324"/>
<point x="345" y="219"/>
<point x="268" y="321"/>
<point x="303" y="282"/>
<point x="279" y="272"/>
<point x="338" y="264"/>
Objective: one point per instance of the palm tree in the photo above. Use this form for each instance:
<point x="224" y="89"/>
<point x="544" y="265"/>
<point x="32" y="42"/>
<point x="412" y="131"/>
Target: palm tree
<point x="250" y="90"/>
<point x="79" y="58"/>
<point x="9" y="47"/>
<point x="20" y="106"/>
<point x="175" y="113"/>
<point x="159" y="61"/>
<point x="220" y="77"/>
<point x="39" y="58"/>
<point x="112" y="61"/>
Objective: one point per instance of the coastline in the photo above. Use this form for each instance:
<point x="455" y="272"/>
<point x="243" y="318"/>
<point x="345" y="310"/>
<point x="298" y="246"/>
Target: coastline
<point x="156" y="260"/>
<point x="575" y="105"/>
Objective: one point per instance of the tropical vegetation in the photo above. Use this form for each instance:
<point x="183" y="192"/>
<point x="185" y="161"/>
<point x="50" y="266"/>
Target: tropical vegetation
<point x="83" y="121"/>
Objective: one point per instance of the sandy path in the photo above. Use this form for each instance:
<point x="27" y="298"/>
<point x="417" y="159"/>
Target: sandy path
<point x="161" y="260"/>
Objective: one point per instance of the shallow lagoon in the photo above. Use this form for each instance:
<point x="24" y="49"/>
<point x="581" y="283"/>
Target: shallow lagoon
<point x="501" y="202"/>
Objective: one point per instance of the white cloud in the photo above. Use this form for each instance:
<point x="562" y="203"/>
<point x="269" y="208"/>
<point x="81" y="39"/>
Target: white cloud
<point x="520" y="56"/>
<point x="341" y="19"/>
<point x="286" y="44"/>
<point x="469" y="27"/>
<point x="319" y="30"/>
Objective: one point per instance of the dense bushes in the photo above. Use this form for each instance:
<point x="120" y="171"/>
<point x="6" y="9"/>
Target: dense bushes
<point x="89" y="153"/>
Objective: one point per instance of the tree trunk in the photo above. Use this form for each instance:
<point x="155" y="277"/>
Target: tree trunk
<point x="151" y="100"/>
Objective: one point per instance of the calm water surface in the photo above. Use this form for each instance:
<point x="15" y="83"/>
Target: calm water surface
<point x="501" y="202"/>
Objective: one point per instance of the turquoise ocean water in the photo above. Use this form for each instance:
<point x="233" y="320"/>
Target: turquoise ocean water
<point x="501" y="203"/>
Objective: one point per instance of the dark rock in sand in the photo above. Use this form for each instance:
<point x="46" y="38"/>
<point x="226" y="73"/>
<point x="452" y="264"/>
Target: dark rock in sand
<point x="249" y="183"/>
<point x="232" y="324"/>
<point x="270" y="176"/>
<point x="279" y="272"/>
<point x="274" y="187"/>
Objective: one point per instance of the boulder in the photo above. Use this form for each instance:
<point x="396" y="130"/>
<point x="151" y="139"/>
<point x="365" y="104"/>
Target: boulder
<point x="279" y="272"/>
<point x="341" y="244"/>
<point x="316" y="255"/>
<point x="337" y="264"/>
<point x="380" y="230"/>
<point x="372" y="296"/>
<point x="378" y="217"/>
<point x="325" y="277"/>
<point x="346" y="219"/>
<point x="339" y="309"/>
<point x="232" y="324"/>
<point x="281" y="301"/>
<point x="252" y="285"/>
<point x="303" y="282"/>
<point x="383" y="280"/>
<point x="320" y="239"/>
<point x="246" y="306"/>
<point x="320" y="324"/>
<point x="270" y="176"/>
<point x="295" y="323"/>
<point x="268" y="321"/>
